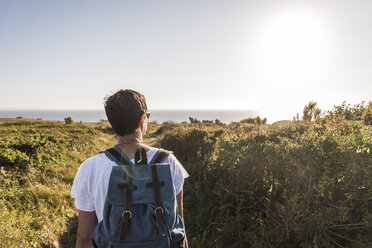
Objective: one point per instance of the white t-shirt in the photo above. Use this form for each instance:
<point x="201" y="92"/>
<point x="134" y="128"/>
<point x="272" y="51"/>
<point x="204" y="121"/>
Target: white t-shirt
<point x="91" y="181"/>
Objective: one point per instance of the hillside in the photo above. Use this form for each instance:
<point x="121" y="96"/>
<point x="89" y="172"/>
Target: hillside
<point x="38" y="161"/>
<point x="289" y="184"/>
<point x="292" y="184"/>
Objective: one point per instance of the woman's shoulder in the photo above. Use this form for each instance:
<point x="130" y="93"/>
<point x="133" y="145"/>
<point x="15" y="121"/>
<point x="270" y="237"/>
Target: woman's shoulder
<point x="169" y="154"/>
<point x="95" y="165"/>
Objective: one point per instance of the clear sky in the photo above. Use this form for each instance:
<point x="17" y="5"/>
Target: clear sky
<point x="269" y="56"/>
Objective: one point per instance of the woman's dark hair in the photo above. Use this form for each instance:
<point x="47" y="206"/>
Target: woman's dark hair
<point x="124" y="110"/>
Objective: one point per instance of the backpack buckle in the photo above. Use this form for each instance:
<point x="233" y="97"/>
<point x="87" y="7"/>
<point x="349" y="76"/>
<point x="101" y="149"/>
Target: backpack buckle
<point x="124" y="223"/>
<point x="159" y="208"/>
<point x="159" y="221"/>
<point x="127" y="212"/>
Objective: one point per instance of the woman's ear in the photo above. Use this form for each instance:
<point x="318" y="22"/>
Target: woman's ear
<point x="141" y="121"/>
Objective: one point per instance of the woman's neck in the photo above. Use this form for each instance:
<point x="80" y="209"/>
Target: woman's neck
<point x="130" y="143"/>
<point x="132" y="138"/>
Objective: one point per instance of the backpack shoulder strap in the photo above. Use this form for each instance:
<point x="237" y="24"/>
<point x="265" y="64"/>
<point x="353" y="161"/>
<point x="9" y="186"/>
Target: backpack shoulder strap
<point x="160" y="224"/>
<point x="160" y="156"/>
<point x="116" y="155"/>
<point x="120" y="158"/>
<point x="127" y="213"/>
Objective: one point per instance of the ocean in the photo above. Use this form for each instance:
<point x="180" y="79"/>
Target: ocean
<point x="159" y="116"/>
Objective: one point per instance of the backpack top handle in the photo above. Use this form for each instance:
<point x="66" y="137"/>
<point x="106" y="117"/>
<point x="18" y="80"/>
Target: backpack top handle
<point x="140" y="158"/>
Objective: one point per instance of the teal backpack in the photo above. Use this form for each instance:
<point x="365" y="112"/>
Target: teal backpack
<point x="140" y="209"/>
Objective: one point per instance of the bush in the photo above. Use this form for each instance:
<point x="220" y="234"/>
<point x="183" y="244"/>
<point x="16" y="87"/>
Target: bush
<point x="207" y="121"/>
<point x="348" y="112"/>
<point x="193" y="120"/>
<point x="257" y="120"/>
<point x="311" y="112"/>
<point x="38" y="162"/>
<point x="302" y="185"/>
<point x="68" y="120"/>
<point x="12" y="158"/>
<point x="367" y="114"/>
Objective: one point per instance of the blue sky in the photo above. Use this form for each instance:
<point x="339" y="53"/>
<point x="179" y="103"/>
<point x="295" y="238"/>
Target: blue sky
<point x="269" y="56"/>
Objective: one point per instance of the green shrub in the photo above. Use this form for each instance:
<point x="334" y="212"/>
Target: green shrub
<point x="311" y="112"/>
<point x="68" y="120"/>
<point x="367" y="114"/>
<point x="193" y="120"/>
<point x="257" y="120"/>
<point x="38" y="162"/>
<point x="12" y="158"/>
<point x="348" y="112"/>
<point x="302" y="185"/>
<point x="207" y="121"/>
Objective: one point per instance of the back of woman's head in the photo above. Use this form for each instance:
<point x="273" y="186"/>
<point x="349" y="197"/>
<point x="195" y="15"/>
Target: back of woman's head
<point x="124" y="110"/>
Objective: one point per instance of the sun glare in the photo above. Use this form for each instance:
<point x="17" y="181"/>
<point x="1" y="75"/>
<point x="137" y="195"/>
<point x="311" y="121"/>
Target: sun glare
<point x="290" y="57"/>
<point x="291" y="46"/>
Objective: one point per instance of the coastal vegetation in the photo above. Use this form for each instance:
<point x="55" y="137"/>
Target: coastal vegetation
<point x="69" y="120"/>
<point x="38" y="162"/>
<point x="300" y="183"/>
<point x="303" y="183"/>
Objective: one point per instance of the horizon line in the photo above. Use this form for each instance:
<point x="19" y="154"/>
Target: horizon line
<point x="155" y="109"/>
